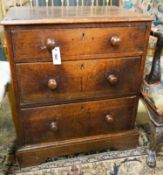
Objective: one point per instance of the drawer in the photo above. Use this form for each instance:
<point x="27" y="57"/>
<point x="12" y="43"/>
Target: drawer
<point x="42" y="83"/>
<point x="68" y="121"/>
<point x="36" y="44"/>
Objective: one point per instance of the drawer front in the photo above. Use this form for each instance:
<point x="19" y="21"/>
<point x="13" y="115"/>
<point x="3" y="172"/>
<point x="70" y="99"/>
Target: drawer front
<point x="68" y="121"/>
<point x="42" y="83"/>
<point x="36" y="45"/>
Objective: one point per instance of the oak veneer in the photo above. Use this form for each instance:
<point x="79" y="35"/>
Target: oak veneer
<point x="77" y="80"/>
<point x="77" y="42"/>
<point x="87" y="103"/>
<point x="77" y="120"/>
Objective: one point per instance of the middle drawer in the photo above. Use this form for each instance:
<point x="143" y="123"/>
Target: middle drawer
<point x="41" y="83"/>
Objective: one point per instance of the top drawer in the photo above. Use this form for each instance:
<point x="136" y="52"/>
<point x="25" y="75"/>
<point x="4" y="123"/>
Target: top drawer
<point x="34" y="45"/>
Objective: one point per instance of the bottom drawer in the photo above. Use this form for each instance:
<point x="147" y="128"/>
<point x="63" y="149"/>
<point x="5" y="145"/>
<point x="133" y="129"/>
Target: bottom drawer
<point x="75" y="120"/>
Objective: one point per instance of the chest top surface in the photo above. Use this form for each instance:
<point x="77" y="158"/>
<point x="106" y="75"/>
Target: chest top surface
<point x="61" y="15"/>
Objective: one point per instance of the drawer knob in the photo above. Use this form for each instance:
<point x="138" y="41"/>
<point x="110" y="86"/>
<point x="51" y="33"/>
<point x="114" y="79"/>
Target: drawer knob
<point x="54" y="126"/>
<point x="115" y="41"/>
<point x="112" y="79"/>
<point x="109" y="118"/>
<point x="50" y="44"/>
<point x="52" y="84"/>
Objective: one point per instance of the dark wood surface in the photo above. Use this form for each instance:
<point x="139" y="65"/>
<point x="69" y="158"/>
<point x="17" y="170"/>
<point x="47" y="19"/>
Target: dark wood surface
<point x="13" y="90"/>
<point x="77" y="80"/>
<point x="89" y="102"/>
<point x="51" y="15"/>
<point x="31" y="45"/>
<point x="77" y="120"/>
<point x="36" y="154"/>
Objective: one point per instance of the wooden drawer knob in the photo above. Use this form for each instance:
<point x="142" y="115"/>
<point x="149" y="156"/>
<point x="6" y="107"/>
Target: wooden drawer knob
<point x="49" y="45"/>
<point x="52" y="84"/>
<point x="54" y="126"/>
<point x="112" y="79"/>
<point x="115" y="41"/>
<point x="109" y="118"/>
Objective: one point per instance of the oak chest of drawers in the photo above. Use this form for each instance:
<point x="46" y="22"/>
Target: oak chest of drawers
<point x="89" y="101"/>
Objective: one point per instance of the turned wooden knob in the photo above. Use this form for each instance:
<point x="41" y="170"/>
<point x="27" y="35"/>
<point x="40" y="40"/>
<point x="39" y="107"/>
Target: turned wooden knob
<point x="109" y="118"/>
<point x="50" y="44"/>
<point x="115" y="41"/>
<point x="112" y="79"/>
<point x="52" y="84"/>
<point x="54" y="126"/>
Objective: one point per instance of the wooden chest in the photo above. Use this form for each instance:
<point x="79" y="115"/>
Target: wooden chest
<point x="88" y="102"/>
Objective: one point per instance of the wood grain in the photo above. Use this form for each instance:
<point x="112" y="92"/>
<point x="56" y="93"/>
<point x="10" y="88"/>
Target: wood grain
<point x="77" y="120"/>
<point x="60" y="15"/>
<point x="39" y="153"/>
<point x="77" y="80"/>
<point x="30" y="45"/>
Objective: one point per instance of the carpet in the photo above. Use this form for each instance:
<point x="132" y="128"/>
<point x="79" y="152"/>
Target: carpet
<point x="106" y="162"/>
<point x="131" y="162"/>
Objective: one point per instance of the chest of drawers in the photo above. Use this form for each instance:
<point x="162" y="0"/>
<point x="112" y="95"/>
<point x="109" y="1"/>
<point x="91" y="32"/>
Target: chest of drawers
<point x="89" y="101"/>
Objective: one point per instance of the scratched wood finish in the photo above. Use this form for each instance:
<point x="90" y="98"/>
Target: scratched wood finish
<point x="38" y="153"/>
<point x="87" y="103"/>
<point x="64" y="15"/>
<point x="67" y="121"/>
<point x="77" y="80"/>
<point x="32" y="45"/>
